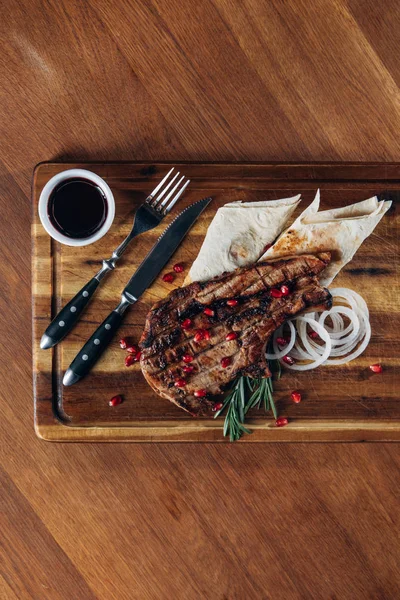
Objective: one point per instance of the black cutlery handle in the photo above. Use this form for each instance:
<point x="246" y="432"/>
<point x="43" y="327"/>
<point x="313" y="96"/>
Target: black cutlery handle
<point x="69" y="315"/>
<point x="95" y="346"/>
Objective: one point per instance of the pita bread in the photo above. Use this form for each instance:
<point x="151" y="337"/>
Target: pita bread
<point x="340" y="231"/>
<point x="238" y="235"/>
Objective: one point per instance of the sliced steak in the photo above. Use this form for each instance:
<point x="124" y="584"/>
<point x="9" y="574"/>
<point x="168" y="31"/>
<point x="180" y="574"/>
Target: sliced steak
<point x="172" y="324"/>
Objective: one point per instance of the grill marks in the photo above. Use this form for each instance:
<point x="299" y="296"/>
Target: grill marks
<point x="254" y="319"/>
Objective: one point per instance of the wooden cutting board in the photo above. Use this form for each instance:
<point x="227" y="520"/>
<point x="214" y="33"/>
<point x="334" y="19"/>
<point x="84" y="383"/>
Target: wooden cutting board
<point x="347" y="403"/>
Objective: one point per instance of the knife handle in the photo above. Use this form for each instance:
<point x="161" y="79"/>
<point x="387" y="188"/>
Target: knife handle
<point x="96" y="344"/>
<point x="69" y="315"/>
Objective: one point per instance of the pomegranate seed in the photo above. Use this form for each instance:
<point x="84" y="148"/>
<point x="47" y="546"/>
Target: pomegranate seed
<point x="296" y="397"/>
<point x="313" y="334"/>
<point x="288" y="360"/>
<point x="200" y="393"/>
<point x="179" y="383"/>
<point x="123" y="343"/>
<point x="206" y="334"/>
<point x="186" y="324"/>
<point x="188" y="369"/>
<point x="199" y="335"/>
<point x="209" y="312"/>
<point x="130" y="359"/>
<point x="168" y="277"/>
<point x="232" y="302"/>
<point x="115" y="401"/>
<point x="225" y="362"/>
<point x="376" y="368"/>
<point x="132" y="349"/>
<point x="217" y="406"/>
<point x="187" y="358"/>
<point x="285" y="290"/>
<point x="281" y="422"/>
<point x="178" y="268"/>
<point x="281" y="341"/>
<point x="137" y="356"/>
<point x="231" y="336"/>
<point x="276" y="293"/>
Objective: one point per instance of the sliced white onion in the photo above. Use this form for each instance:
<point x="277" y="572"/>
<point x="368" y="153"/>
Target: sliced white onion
<point x="345" y="348"/>
<point x="300" y="354"/>
<point x="354" y="299"/>
<point x="349" y="346"/>
<point x="324" y="335"/>
<point x="359" y="350"/>
<point x="342" y="343"/>
<point x="310" y="352"/>
<point x="348" y="333"/>
<point x="337" y="323"/>
<point x="278" y="333"/>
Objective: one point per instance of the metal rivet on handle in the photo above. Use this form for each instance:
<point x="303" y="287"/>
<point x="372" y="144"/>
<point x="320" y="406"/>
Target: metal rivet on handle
<point x="97" y="341"/>
<point x="85" y="294"/>
<point x="73" y="309"/>
<point x="85" y="357"/>
<point x="108" y="326"/>
<point x="61" y="323"/>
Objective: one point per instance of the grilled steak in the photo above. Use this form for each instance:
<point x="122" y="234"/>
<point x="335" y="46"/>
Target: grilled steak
<point x="230" y="317"/>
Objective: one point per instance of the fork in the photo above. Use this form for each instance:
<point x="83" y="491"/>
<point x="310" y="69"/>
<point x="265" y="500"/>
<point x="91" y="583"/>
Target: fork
<point x="156" y="206"/>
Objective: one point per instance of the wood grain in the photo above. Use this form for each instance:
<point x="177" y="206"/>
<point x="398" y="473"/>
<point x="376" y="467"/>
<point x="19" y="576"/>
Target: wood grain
<point x="96" y="81"/>
<point x="343" y="403"/>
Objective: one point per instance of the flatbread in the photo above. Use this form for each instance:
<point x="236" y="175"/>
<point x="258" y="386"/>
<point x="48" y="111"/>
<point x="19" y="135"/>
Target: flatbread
<point x="340" y="231"/>
<point x="238" y="235"/>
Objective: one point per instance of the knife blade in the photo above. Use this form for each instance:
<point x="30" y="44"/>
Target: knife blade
<point x="163" y="249"/>
<point x="143" y="277"/>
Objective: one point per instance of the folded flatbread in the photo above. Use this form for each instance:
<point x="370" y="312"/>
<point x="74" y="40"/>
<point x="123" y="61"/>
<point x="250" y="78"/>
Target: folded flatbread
<point x="238" y="235"/>
<point x="340" y="231"/>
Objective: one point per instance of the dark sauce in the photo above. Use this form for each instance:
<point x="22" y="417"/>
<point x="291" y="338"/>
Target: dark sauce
<point x="77" y="208"/>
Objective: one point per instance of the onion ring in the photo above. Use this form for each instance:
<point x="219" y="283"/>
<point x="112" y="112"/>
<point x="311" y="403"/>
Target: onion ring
<point x="324" y="336"/>
<point x="342" y="343"/>
<point x="278" y="333"/>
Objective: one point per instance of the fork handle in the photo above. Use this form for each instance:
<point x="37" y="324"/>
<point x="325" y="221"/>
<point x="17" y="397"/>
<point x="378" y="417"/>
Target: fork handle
<point x="69" y="315"/>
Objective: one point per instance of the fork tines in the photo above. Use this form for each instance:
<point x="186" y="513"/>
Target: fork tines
<point x="156" y="201"/>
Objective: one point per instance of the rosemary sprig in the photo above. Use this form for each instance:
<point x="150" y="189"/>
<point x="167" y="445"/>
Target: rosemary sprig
<point x="245" y="394"/>
<point x="236" y="402"/>
<point x="263" y="394"/>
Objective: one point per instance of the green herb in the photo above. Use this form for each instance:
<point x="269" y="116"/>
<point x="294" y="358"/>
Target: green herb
<point x="245" y="394"/>
<point x="236" y="401"/>
<point x="263" y="395"/>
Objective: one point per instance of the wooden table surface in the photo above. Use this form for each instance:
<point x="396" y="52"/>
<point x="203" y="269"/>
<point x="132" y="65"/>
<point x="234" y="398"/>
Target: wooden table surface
<point x="194" y="80"/>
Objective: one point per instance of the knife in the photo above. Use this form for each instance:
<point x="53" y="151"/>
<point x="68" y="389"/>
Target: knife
<point x="145" y="274"/>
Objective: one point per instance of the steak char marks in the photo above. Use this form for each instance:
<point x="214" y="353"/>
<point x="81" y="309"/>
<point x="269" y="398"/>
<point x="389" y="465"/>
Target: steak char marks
<point x="253" y="319"/>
